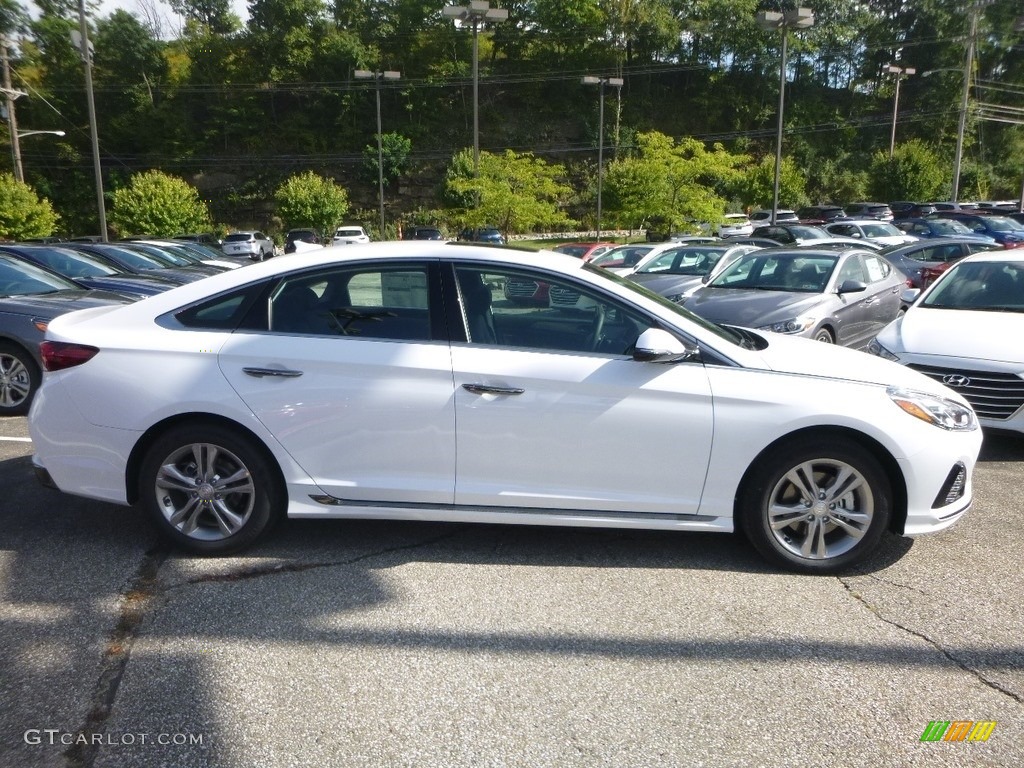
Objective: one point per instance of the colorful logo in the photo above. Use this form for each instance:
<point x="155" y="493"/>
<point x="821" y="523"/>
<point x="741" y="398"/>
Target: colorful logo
<point x="958" y="730"/>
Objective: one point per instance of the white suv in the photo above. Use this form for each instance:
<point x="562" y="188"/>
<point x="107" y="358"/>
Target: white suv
<point x="349" y="236"/>
<point x="255" y="245"/>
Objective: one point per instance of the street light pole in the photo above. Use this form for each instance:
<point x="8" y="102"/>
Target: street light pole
<point x="899" y="72"/>
<point x="794" y="18"/>
<point x="601" y="82"/>
<point x="476" y="13"/>
<point x="364" y="74"/>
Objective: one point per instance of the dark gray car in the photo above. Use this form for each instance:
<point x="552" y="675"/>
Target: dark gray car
<point x="30" y="297"/>
<point x="839" y="297"/>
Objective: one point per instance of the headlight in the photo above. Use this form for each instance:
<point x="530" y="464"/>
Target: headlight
<point x="939" y="411"/>
<point x="875" y="348"/>
<point x="793" y="325"/>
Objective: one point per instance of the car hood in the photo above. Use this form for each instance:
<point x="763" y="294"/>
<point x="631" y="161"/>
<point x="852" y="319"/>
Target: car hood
<point x="794" y="354"/>
<point x="957" y="333"/>
<point x="664" y="284"/>
<point x="738" y="306"/>
<point x="49" y="305"/>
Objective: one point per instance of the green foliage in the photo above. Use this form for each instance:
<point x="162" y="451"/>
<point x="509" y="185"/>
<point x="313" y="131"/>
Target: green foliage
<point x="158" y="205"/>
<point x="309" y="200"/>
<point x="758" y="186"/>
<point x="516" y="192"/>
<point x="394" y="150"/>
<point x="914" y="172"/>
<point x="676" y="182"/>
<point x="23" y="213"/>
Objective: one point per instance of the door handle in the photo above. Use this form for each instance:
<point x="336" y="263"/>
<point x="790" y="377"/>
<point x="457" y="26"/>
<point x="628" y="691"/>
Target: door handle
<point x="483" y="389"/>
<point x="284" y="373"/>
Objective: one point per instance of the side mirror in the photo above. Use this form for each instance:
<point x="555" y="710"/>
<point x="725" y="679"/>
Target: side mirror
<point x="658" y="346"/>
<point x="852" y="286"/>
<point x="909" y="296"/>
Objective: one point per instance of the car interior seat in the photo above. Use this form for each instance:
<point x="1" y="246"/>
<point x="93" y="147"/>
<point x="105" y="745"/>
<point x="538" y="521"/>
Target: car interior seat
<point x="476" y="303"/>
<point x="293" y="311"/>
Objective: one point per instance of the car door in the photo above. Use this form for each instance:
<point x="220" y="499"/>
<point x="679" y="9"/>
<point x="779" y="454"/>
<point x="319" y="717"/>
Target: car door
<point x="349" y="368"/>
<point x="855" y="313"/>
<point x="554" y="415"/>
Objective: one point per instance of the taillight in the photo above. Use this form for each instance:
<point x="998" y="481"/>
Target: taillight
<point x="58" y="355"/>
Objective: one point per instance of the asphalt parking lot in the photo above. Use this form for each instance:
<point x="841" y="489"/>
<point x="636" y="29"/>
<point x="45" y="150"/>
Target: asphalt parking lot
<point x="405" y="644"/>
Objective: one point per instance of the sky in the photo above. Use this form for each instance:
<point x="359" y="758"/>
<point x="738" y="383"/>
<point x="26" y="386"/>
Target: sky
<point x="132" y="6"/>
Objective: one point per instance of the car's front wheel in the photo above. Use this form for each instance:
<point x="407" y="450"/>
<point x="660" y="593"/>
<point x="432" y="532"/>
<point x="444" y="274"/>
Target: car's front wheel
<point x="817" y="505"/>
<point x="19" y="380"/>
<point x="210" y="490"/>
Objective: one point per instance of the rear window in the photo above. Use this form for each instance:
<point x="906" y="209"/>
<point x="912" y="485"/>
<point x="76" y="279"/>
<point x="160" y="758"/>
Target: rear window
<point x="238" y="237"/>
<point x="348" y="233"/>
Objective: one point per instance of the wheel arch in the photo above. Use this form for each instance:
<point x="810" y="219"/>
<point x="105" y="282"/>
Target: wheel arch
<point x="889" y="465"/>
<point x="151" y="435"/>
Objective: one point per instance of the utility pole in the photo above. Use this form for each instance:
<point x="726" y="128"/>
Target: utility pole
<point x="86" y="49"/>
<point x="12" y="120"/>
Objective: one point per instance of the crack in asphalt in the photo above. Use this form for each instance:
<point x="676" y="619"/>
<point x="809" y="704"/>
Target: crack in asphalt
<point x="142" y="593"/>
<point x="977" y="674"/>
<point x="134" y="603"/>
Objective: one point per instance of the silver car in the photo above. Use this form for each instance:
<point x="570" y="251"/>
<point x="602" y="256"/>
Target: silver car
<point x="839" y="297"/>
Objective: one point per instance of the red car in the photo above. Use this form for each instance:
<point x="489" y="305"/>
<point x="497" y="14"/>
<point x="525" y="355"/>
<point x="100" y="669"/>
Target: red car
<point x="584" y="251"/>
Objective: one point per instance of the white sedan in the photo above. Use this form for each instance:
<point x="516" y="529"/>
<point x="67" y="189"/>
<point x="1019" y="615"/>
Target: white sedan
<point x="400" y="384"/>
<point x="965" y="331"/>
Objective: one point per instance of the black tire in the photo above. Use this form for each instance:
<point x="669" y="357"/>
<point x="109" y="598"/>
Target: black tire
<point x="19" y="379"/>
<point x="824" y="335"/>
<point x="829" y="499"/>
<point x="210" y="490"/>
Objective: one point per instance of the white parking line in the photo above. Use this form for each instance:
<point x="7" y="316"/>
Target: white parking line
<point x="18" y="439"/>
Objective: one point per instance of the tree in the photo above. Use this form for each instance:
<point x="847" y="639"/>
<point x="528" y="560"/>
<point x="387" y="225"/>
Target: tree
<point x="758" y="185"/>
<point x="671" y="182"/>
<point x="158" y="205"/>
<point x="912" y="173"/>
<point x="394" y="149"/>
<point x="309" y="200"/>
<point x="516" y="192"/>
<point x="23" y="213"/>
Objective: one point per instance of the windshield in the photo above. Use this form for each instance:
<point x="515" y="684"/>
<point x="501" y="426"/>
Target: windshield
<point x="1002" y="224"/>
<point x="623" y="256"/>
<point x="993" y="286"/>
<point x="799" y="272"/>
<point x="133" y="259"/>
<point x="729" y="334"/>
<point x="71" y="263"/>
<point x="683" y="261"/>
<point x="950" y="227"/>
<point x="18" y="278"/>
<point x="880" y="230"/>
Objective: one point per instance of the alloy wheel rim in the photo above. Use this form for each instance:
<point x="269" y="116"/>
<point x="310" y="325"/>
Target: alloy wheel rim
<point x="205" y="492"/>
<point x="15" y="381"/>
<point x="820" y="509"/>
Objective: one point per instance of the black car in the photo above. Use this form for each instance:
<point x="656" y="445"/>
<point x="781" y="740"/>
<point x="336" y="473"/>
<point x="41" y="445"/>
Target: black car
<point x="482" y="235"/>
<point x="790" y="234"/>
<point x="905" y="209"/>
<point x="301" y="235"/>
<point x="423" y="233"/>
<point x="30" y="297"/>
<point x="820" y="214"/>
<point x="880" y="211"/>
<point x="129" y="258"/>
<point x="87" y="271"/>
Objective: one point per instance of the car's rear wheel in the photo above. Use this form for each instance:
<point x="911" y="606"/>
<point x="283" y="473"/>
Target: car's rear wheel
<point x="210" y="490"/>
<point x="19" y="380"/>
<point x="817" y="505"/>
